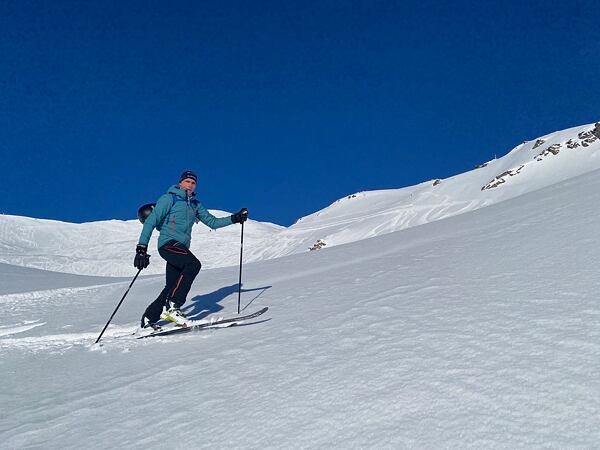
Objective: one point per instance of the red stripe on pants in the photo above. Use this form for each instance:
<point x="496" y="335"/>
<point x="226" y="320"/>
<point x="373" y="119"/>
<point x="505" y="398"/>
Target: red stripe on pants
<point x="176" y="287"/>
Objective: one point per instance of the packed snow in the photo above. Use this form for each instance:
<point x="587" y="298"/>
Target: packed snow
<point x="472" y="327"/>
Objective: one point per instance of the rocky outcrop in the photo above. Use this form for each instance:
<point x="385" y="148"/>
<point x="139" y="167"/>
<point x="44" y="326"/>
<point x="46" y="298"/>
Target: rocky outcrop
<point x="501" y="179"/>
<point x="588" y="137"/>
<point x="538" y="143"/>
<point x="318" y="245"/>
<point x="553" y="149"/>
<point x="572" y="144"/>
<point x="584" y="139"/>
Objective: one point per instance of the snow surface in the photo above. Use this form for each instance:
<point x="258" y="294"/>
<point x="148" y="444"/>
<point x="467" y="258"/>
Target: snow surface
<point x="481" y="330"/>
<point x="21" y="279"/>
<point x="106" y="248"/>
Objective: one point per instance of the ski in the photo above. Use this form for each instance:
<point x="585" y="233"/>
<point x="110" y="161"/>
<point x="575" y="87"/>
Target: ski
<point x="231" y="321"/>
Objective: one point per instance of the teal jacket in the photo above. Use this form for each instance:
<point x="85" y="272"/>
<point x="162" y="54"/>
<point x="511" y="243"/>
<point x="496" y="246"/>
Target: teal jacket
<point x="174" y="216"/>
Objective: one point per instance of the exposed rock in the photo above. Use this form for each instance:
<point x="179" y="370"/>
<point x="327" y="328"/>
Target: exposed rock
<point x="588" y="137"/>
<point x="586" y="134"/>
<point x="479" y="166"/>
<point x="554" y="149"/>
<point x="318" y="245"/>
<point x="597" y="130"/>
<point x="351" y="196"/>
<point x="500" y="179"/>
<point x="586" y="142"/>
<point x="572" y="144"/>
<point x="538" y="143"/>
<point x="436" y="182"/>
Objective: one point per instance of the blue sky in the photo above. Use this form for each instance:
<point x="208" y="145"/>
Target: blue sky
<point x="282" y="107"/>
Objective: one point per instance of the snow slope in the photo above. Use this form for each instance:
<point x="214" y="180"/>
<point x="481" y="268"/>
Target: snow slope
<point x="528" y="167"/>
<point x="481" y="330"/>
<point x="105" y="248"/>
<point x="17" y="279"/>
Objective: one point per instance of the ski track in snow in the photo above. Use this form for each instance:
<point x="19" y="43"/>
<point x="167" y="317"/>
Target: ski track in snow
<point x="7" y="330"/>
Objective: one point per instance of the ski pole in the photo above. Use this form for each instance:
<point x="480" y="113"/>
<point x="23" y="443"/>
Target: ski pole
<point x="118" y="306"/>
<point x="240" y="282"/>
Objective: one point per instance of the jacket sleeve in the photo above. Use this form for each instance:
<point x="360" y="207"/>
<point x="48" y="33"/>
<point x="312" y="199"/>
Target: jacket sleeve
<point x="162" y="208"/>
<point x="211" y="221"/>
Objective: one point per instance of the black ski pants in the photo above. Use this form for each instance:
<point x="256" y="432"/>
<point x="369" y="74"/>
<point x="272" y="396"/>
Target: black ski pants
<point x="182" y="268"/>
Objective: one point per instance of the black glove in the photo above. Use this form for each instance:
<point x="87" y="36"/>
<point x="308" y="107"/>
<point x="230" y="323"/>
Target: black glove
<point x="241" y="216"/>
<point x="142" y="259"/>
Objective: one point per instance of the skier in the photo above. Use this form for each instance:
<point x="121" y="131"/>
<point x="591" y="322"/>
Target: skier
<point x="174" y="215"/>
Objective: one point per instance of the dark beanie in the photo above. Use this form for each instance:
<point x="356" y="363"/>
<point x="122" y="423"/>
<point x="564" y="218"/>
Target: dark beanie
<point x="188" y="174"/>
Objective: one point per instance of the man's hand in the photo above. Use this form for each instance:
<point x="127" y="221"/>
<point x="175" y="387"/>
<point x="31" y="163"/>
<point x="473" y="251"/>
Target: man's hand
<point x="142" y="259"/>
<point x="241" y="216"/>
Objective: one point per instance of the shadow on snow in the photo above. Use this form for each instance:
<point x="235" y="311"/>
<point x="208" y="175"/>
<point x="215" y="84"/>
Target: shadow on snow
<point x="207" y="304"/>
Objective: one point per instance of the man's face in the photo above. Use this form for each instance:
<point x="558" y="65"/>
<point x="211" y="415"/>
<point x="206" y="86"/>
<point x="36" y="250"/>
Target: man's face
<point x="188" y="184"/>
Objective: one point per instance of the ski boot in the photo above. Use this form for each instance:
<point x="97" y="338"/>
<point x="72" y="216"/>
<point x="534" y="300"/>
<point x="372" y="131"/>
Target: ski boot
<point x="172" y="313"/>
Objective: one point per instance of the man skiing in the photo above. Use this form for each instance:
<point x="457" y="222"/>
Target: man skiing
<point x="174" y="215"/>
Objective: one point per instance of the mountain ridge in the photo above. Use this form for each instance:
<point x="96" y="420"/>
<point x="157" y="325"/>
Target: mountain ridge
<point x="104" y="248"/>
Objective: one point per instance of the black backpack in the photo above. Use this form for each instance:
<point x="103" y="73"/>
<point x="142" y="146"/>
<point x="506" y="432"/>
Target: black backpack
<point x="145" y="210"/>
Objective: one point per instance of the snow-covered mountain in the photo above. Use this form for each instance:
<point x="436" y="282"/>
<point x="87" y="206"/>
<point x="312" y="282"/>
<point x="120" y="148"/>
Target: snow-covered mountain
<point x="530" y="166"/>
<point x="480" y="330"/>
<point x="105" y="248"/>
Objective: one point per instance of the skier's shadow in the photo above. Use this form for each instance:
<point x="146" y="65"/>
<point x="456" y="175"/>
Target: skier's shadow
<point x="204" y="305"/>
